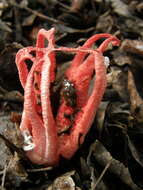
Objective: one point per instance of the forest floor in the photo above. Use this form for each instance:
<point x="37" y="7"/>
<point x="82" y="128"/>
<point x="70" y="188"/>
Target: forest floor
<point x="112" y="155"/>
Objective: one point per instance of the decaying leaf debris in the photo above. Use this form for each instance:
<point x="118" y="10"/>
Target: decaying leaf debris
<point x="118" y="125"/>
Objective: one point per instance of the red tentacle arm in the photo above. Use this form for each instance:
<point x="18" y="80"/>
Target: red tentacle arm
<point x="21" y="57"/>
<point x="80" y="75"/>
<point x="84" y="118"/>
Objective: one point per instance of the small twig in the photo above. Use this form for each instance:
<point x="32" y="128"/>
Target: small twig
<point x="39" y="169"/>
<point x="17" y="24"/>
<point x="13" y="147"/>
<point x="63" y="5"/>
<point x="102" y="174"/>
<point x="55" y="21"/>
<point x="1" y="172"/>
<point x="43" y="16"/>
<point x="38" y="14"/>
<point x="103" y="157"/>
<point x="2" y="90"/>
<point x="3" y="177"/>
<point x="4" y="173"/>
<point x="12" y="96"/>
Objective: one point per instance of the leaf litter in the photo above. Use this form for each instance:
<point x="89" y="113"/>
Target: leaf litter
<point x="112" y="155"/>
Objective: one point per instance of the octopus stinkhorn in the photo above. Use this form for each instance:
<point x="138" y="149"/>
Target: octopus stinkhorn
<point x="48" y="136"/>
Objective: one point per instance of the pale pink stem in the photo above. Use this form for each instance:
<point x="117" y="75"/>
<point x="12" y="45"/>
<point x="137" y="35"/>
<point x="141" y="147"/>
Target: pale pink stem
<point x="25" y="124"/>
<point x="37" y="154"/>
<point x="48" y="119"/>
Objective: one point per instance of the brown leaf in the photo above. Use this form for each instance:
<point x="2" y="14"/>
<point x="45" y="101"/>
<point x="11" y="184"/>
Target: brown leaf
<point x="132" y="46"/>
<point x="117" y="78"/>
<point x="28" y="21"/>
<point x="64" y="182"/>
<point x="5" y="154"/>
<point x="136" y="101"/>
